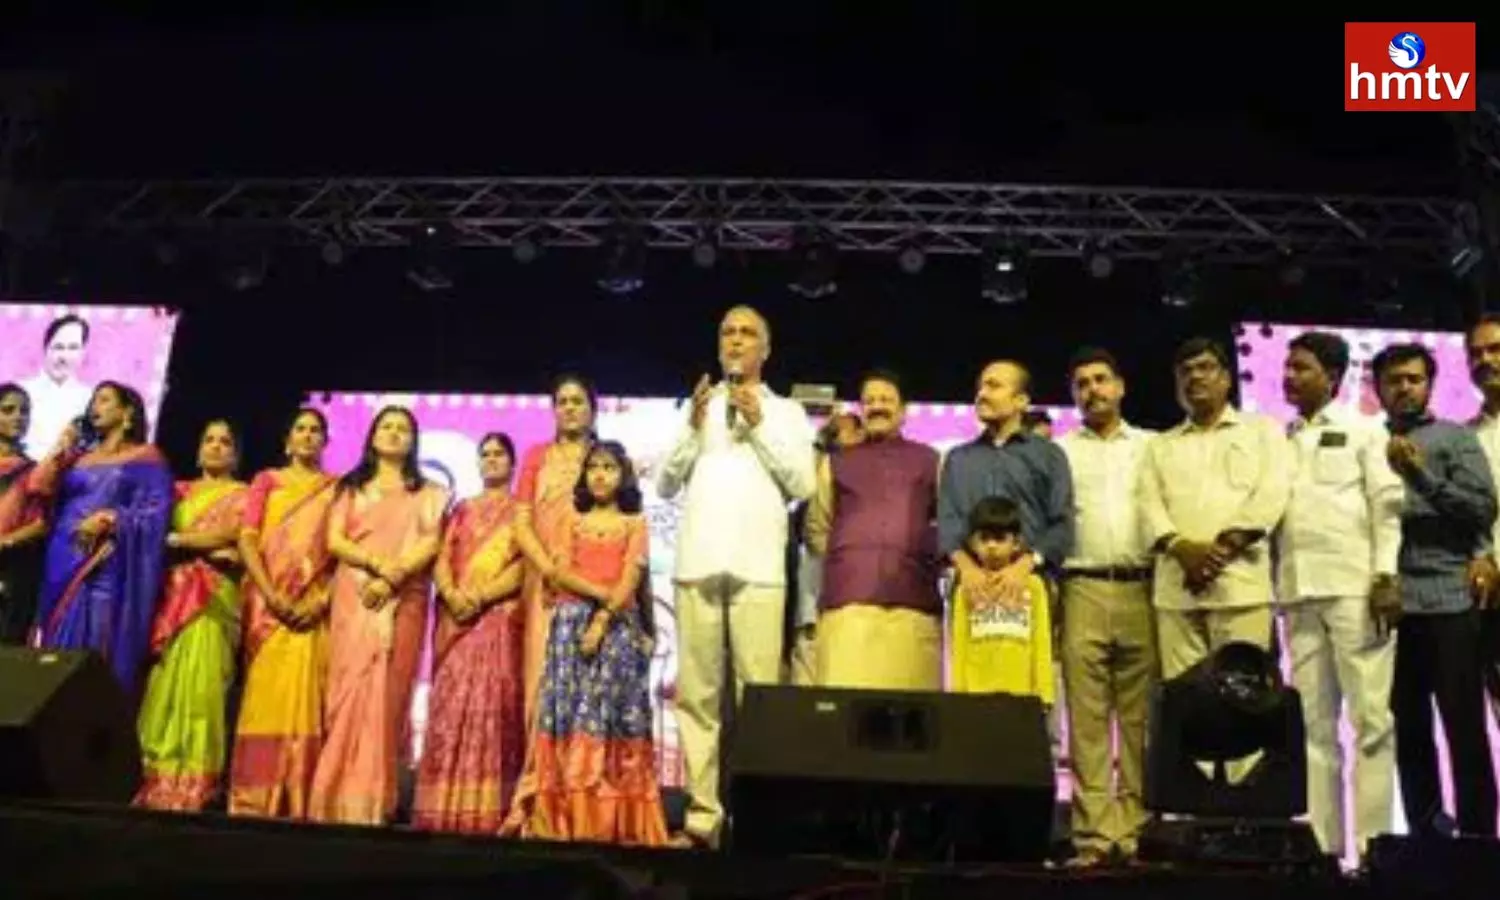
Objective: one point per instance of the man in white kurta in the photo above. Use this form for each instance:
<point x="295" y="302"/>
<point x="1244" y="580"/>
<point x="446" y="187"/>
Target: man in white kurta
<point x="743" y="456"/>
<point x="1338" y="546"/>
<point x="1212" y="490"/>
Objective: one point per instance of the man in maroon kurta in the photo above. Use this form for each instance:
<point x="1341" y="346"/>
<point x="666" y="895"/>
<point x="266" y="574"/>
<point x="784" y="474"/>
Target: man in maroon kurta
<point x="880" y="614"/>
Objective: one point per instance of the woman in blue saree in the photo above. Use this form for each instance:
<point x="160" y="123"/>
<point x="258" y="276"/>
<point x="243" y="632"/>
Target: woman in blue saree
<point x="103" y="568"/>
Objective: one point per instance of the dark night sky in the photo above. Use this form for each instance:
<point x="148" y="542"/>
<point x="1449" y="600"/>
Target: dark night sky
<point x="936" y="90"/>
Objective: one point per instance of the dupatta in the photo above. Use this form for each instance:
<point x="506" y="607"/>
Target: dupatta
<point x="202" y="506"/>
<point x="294" y="550"/>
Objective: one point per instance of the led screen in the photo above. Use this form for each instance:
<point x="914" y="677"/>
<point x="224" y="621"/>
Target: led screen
<point x="128" y="344"/>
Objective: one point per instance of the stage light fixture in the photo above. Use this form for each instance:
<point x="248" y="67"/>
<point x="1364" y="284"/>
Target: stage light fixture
<point x="912" y="259"/>
<point x="624" y="261"/>
<point x="1097" y="260"/>
<point x="430" y="270"/>
<point x="1226" y="765"/>
<point x="1181" y="281"/>
<point x="1003" y="264"/>
<point x="815" y="258"/>
<point x="332" y="252"/>
<point x="706" y="248"/>
<point x="525" y="249"/>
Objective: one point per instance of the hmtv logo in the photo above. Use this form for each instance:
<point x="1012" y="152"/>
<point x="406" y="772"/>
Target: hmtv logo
<point x="1409" y="67"/>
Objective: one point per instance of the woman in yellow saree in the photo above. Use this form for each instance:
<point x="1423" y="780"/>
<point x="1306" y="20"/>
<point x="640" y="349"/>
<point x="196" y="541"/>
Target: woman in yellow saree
<point x="384" y="530"/>
<point x="284" y="545"/>
<point x="476" y="727"/>
<point x="184" y="738"/>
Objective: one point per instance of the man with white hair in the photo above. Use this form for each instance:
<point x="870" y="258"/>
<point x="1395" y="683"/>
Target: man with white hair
<point x="744" y="454"/>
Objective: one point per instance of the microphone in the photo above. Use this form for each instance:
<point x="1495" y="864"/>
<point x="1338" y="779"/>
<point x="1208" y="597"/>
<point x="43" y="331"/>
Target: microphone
<point x="83" y="426"/>
<point x="732" y="377"/>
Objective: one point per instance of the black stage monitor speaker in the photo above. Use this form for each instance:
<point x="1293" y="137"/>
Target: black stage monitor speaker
<point x="66" y="729"/>
<point x="890" y="774"/>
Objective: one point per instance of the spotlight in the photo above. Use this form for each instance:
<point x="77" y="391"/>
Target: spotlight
<point x="911" y="259"/>
<point x="816" y="261"/>
<point x="624" y="261"/>
<point x="1098" y="262"/>
<point x="429" y="270"/>
<point x="1180" y="281"/>
<point x="706" y="248"/>
<point x="1229" y="712"/>
<point x="1003" y="271"/>
<point x="246" y="269"/>
<point x="332" y="252"/>
<point x="525" y="249"/>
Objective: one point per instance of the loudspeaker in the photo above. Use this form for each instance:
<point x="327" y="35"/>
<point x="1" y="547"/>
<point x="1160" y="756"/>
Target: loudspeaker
<point x="67" y="731"/>
<point x="890" y="774"/>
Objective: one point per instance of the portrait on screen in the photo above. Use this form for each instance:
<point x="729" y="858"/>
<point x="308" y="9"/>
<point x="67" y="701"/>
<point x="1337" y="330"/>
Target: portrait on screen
<point x="58" y="353"/>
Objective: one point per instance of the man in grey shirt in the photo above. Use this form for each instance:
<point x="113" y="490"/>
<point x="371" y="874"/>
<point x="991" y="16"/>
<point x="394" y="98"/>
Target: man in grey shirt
<point x="1446" y="524"/>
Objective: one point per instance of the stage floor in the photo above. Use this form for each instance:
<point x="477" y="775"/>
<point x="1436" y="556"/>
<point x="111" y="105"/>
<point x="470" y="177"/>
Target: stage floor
<point x="56" y="851"/>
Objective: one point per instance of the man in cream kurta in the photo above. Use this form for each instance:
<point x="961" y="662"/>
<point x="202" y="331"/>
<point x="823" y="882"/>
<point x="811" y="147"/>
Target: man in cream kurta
<point x="1212" y="490"/>
<point x="744" y="455"/>
<point x="1338" y="546"/>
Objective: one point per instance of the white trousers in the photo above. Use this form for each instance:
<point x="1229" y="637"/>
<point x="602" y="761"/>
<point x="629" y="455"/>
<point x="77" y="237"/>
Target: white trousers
<point x="1338" y="662"/>
<point x="729" y="634"/>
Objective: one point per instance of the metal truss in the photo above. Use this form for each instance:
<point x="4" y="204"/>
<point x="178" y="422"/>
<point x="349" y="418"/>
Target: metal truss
<point x="762" y="215"/>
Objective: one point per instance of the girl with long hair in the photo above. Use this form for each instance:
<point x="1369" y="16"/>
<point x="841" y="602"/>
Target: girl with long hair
<point x="475" y="742"/>
<point x="385" y="530"/>
<point x="594" y="765"/>
<point x="184" y="737"/>
<point x="283" y="545"/>
<point x="105" y="559"/>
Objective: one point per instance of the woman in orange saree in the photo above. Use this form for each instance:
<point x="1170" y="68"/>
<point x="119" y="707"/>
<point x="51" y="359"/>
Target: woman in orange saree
<point x="476" y="727"/>
<point x="545" y="515"/>
<point x="284" y="547"/>
<point x="184" y="738"/>
<point x="385" y="530"/>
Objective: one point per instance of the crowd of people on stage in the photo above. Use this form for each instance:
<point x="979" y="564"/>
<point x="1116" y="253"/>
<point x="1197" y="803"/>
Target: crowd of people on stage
<point x="271" y="631"/>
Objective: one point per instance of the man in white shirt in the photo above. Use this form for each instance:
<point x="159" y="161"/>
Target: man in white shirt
<point x="1109" y="653"/>
<point x="1212" y="490"/>
<point x="57" y="396"/>
<point x="744" y="455"/>
<point x="1483" y="349"/>
<point x="1338" y="546"/>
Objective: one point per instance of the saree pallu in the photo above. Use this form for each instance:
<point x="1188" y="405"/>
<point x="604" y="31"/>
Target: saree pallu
<point x="549" y="475"/>
<point x="372" y="658"/>
<point x="280" y="728"/>
<point x="592" y="753"/>
<point x="104" y="598"/>
<point x="20" y="567"/>
<point x="184" y="737"/>
<point x="476" y="728"/>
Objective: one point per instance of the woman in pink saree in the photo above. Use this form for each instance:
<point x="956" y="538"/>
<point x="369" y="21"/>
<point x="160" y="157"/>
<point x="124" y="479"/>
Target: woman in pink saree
<point x="284" y="548"/>
<point x="384" y="530"/>
<point x="23" y="520"/>
<point x="476" y="727"/>
<point x="545" y="515"/>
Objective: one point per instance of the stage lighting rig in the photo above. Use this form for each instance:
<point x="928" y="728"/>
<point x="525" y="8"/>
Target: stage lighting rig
<point x="624" y="261"/>
<point x="1226" y="767"/>
<point x="1003" y="264"/>
<point x="430" y="267"/>
<point x="815" y="259"/>
<point x="1181" y="280"/>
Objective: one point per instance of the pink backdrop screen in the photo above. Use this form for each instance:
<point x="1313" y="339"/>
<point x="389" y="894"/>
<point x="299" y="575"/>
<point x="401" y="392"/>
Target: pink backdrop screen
<point x="452" y="425"/>
<point x="128" y="344"/>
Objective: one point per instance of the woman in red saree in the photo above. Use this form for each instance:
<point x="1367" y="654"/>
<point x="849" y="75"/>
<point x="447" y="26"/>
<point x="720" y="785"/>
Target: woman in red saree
<point x="22" y="519"/>
<point x="545" y="514"/>
<point x="384" y="530"/>
<point x="476" y="728"/>
<point x="184" y="738"/>
<point x="284" y="548"/>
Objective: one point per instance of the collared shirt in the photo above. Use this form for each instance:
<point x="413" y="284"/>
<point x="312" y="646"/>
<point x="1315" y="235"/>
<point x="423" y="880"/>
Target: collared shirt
<point x="53" y="407"/>
<point x="1198" y="482"/>
<point x="1343" y="523"/>
<point x="1448" y="518"/>
<point x="1031" y="471"/>
<point x="736" y="488"/>
<point x="1487" y="429"/>
<point x="1107" y="523"/>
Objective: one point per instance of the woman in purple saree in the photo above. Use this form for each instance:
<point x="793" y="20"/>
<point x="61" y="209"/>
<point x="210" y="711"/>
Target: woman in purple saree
<point x="102" y="572"/>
